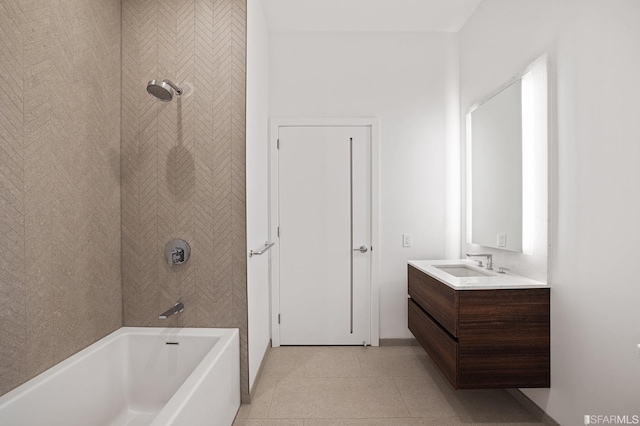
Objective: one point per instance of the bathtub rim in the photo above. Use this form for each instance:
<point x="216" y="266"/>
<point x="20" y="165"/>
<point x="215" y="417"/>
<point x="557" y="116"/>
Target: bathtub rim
<point x="178" y="399"/>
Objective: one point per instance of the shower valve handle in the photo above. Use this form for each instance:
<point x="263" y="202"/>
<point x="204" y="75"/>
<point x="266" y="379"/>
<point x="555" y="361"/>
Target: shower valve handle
<point x="177" y="256"/>
<point x="177" y="252"/>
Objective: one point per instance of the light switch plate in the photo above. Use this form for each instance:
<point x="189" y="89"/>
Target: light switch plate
<point x="406" y="240"/>
<point x="502" y="240"/>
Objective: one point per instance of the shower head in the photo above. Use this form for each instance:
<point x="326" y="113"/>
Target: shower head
<point x="163" y="90"/>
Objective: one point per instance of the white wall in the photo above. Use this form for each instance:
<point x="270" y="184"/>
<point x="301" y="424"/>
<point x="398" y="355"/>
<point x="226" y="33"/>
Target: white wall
<point x="258" y="299"/>
<point x="407" y="80"/>
<point x="485" y="68"/>
<point x="594" y="51"/>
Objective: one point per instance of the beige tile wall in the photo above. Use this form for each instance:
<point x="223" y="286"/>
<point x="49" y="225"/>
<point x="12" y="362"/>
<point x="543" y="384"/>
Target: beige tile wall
<point x="183" y="164"/>
<point x="60" y="286"/>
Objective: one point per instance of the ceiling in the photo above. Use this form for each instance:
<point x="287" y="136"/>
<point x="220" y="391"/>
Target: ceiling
<point x="368" y="15"/>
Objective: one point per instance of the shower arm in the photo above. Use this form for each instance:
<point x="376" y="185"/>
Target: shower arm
<point x="173" y="86"/>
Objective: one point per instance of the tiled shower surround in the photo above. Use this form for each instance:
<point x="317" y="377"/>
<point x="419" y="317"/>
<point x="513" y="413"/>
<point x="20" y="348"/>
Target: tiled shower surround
<point x="60" y="285"/>
<point x="96" y="175"/>
<point x="183" y="164"/>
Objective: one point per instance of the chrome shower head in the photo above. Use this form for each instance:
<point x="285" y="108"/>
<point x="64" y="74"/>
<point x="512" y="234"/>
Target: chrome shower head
<point x="163" y="90"/>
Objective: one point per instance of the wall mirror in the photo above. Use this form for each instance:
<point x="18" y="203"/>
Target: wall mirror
<point x="507" y="163"/>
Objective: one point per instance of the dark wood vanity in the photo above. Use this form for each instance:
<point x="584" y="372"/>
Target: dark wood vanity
<point x="485" y="338"/>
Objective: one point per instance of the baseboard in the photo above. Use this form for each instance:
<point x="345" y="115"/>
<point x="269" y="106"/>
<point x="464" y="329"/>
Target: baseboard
<point x="399" y="342"/>
<point x="255" y="382"/>
<point x="532" y="407"/>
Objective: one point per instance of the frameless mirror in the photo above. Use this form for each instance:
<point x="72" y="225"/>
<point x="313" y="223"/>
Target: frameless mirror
<point x="496" y="170"/>
<point x="507" y="165"/>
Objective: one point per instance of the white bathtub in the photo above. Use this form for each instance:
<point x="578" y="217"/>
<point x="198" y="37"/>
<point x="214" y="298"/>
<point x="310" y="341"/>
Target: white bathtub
<point x="133" y="377"/>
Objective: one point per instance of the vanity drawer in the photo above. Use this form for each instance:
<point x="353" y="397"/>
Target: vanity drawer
<point x="438" y="299"/>
<point x="440" y="346"/>
<point x="504" y="339"/>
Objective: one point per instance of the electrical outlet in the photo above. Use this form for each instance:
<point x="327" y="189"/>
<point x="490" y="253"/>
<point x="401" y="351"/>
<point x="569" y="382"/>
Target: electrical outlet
<point x="406" y="240"/>
<point x="502" y="240"/>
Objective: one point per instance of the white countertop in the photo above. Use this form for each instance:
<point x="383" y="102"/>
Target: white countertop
<point x="494" y="281"/>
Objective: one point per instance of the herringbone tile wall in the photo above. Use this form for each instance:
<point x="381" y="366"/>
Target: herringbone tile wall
<point x="183" y="164"/>
<point x="60" y="286"/>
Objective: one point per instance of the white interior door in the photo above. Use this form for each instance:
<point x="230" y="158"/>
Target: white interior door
<point x="324" y="209"/>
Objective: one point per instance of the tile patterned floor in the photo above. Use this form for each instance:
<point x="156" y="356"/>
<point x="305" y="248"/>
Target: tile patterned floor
<point x="372" y="386"/>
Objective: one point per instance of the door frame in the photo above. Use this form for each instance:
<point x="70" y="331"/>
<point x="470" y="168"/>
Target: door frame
<point x="274" y="259"/>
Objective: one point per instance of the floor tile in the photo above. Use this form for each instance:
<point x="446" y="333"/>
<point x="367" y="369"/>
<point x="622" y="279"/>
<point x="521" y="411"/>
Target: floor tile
<point x="355" y="397"/>
<point x="260" y="401"/>
<point x="372" y="386"/>
<point x="313" y="361"/>
<point x="286" y="361"/>
<point x="424" y="397"/>
<point x="492" y="403"/>
<point x="395" y="361"/>
<point x="491" y="421"/>
<point x="435" y="421"/>
<point x="433" y="396"/>
<point x="268" y="422"/>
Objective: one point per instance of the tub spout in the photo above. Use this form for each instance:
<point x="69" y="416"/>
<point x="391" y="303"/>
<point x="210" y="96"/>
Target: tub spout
<point x="177" y="308"/>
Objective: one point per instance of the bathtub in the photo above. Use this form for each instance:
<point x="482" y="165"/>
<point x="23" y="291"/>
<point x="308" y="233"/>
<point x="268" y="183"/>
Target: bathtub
<point x="135" y="377"/>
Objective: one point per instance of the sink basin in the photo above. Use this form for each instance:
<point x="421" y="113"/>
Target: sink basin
<point x="463" y="274"/>
<point x="462" y="271"/>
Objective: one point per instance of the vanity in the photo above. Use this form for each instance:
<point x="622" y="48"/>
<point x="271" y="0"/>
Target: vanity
<point x="483" y="329"/>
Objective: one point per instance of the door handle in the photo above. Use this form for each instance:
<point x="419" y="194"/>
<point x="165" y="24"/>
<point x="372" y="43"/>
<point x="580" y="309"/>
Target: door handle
<point x="362" y="249"/>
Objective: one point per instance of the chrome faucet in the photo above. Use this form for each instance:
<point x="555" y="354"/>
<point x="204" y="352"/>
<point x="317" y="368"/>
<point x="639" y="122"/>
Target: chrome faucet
<point x="177" y="308"/>
<point x="489" y="260"/>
